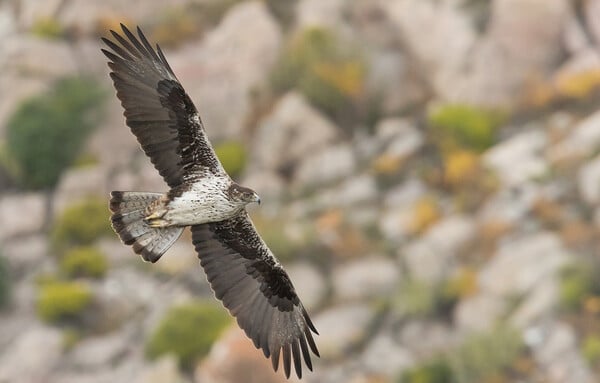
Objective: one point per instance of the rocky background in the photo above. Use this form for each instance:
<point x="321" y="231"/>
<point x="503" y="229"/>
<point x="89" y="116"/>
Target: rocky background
<point x="429" y="170"/>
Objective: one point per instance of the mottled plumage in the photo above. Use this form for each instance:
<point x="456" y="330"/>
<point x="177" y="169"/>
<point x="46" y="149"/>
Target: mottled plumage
<point x="239" y="266"/>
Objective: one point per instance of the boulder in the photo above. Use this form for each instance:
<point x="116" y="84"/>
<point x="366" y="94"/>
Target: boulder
<point x="341" y="327"/>
<point x="424" y="28"/>
<point x="537" y="305"/>
<point x="427" y="338"/>
<point x="310" y="284"/>
<point x="78" y="183"/>
<point x="480" y="312"/>
<point x="328" y="165"/>
<point x="370" y="277"/>
<point x="293" y="131"/>
<point x="31" y="11"/>
<point x="222" y="71"/>
<point x="515" y="44"/>
<point x="23" y="360"/>
<point x="510" y="205"/>
<point x="355" y="191"/>
<point x="518" y="159"/>
<point x="402" y="138"/>
<point x="556" y="351"/>
<point x="582" y="142"/>
<point x="21" y="55"/>
<point x="432" y="257"/>
<point x="100" y="351"/>
<point x="521" y="264"/>
<point x="233" y="358"/>
<point x="588" y="180"/>
<point x="164" y="369"/>
<point x="384" y="356"/>
<point x="25" y="254"/>
<point x="396" y="218"/>
<point x="8" y="20"/>
<point x="21" y="214"/>
<point x="320" y="14"/>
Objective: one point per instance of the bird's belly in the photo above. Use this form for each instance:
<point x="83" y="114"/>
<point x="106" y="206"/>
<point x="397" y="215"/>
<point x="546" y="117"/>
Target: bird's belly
<point x="196" y="208"/>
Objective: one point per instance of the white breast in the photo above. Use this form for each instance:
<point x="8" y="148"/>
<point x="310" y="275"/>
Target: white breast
<point x="206" y="201"/>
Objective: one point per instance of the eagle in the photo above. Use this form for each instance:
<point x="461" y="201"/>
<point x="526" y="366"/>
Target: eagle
<point x="241" y="270"/>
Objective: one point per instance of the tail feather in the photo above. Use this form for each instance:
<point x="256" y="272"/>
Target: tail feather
<point x="129" y="210"/>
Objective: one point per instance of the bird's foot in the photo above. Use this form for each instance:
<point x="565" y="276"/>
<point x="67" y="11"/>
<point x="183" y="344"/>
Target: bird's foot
<point x="156" y="222"/>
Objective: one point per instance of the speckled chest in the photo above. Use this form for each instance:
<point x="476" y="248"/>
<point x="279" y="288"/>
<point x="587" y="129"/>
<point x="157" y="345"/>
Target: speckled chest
<point x="206" y="200"/>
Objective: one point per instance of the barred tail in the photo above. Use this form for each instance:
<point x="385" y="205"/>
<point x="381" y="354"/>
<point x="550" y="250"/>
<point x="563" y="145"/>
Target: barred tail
<point x="129" y="210"/>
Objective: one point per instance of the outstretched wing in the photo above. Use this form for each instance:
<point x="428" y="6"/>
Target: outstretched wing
<point x="157" y="109"/>
<point x="256" y="290"/>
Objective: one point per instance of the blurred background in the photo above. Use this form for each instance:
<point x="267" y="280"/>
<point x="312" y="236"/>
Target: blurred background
<point x="429" y="170"/>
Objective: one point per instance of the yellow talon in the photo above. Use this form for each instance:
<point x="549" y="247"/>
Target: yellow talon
<point x="156" y="222"/>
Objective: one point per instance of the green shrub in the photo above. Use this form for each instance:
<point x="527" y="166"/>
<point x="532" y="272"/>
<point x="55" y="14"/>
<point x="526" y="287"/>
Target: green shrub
<point x="591" y="349"/>
<point x="233" y="157"/>
<point x="416" y="298"/>
<point x="63" y="301"/>
<point x="577" y="283"/>
<point x="46" y="133"/>
<point x="420" y="299"/>
<point x="464" y="126"/>
<point x="47" y="27"/>
<point x="70" y="338"/>
<point x="5" y="283"/>
<point x="86" y="160"/>
<point x="435" y="371"/>
<point x="84" y="262"/>
<point x="188" y="331"/>
<point x="180" y="23"/>
<point x="82" y="223"/>
<point x="330" y="75"/>
<point x="485" y="355"/>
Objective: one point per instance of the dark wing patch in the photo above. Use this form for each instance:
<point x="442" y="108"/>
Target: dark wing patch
<point x="158" y="110"/>
<point x="256" y="290"/>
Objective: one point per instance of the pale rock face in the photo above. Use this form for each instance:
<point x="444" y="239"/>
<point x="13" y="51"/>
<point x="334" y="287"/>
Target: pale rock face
<point x="316" y="13"/>
<point x="25" y="363"/>
<point x="433" y="257"/>
<point x="79" y="183"/>
<point x="589" y="181"/>
<point x="23" y="213"/>
<point x="221" y="73"/>
<point x="21" y="54"/>
<point x="26" y="253"/>
<point x="32" y="11"/>
<point x="479" y="312"/>
<point x="518" y="159"/>
<point x="555" y="350"/>
<point x="341" y="327"/>
<point x="581" y="142"/>
<point x="521" y="264"/>
<point x="233" y="358"/>
<point x="310" y="284"/>
<point x="293" y="131"/>
<point x="425" y="27"/>
<point x="331" y="164"/>
<point x="370" y="277"/>
<point x="387" y="357"/>
<point x="163" y="370"/>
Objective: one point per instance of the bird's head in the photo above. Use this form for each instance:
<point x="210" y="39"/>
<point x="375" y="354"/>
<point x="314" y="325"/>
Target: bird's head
<point x="243" y="194"/>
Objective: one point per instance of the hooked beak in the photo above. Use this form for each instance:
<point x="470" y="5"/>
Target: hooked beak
<point x="256" y="198"/>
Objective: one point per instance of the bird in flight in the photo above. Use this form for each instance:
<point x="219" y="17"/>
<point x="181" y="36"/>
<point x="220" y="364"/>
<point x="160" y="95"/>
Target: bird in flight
<point x="242" y="271"/>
